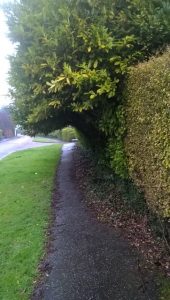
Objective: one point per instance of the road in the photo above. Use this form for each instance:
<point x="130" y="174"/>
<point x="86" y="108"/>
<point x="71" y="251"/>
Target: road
<point x="17" y="144"/>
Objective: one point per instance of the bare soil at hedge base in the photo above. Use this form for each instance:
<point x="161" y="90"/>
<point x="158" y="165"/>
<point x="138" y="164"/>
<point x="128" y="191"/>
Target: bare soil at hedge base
<point x="107" y="204"/>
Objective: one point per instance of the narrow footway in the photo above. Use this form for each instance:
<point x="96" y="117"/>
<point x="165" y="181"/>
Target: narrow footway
<point x="89" y="261"/>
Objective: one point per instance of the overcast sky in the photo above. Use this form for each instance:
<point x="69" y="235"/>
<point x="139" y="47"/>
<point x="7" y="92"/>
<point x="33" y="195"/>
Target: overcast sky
<point x="6" y="48"/>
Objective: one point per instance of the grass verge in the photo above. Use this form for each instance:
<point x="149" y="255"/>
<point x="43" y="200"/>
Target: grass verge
<point x="26" y="180"/>
<point x="43" y="140"/>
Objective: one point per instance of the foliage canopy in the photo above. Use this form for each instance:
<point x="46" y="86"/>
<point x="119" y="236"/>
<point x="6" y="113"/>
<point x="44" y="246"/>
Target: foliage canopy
<point x="72" y="56"/>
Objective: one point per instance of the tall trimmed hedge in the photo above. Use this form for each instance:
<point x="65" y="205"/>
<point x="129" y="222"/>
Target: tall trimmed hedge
<point x="147" y="143"/>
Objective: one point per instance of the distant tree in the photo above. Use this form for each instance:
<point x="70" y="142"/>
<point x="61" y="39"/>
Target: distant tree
<point x="6" y="123"/>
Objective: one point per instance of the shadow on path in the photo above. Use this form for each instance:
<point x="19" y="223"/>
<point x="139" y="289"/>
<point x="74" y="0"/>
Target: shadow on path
<point x="89" y="261"/>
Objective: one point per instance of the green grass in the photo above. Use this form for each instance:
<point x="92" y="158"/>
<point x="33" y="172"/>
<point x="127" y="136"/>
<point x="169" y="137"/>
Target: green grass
<point x="43" y="140"/>
<point x="26" y="180"/>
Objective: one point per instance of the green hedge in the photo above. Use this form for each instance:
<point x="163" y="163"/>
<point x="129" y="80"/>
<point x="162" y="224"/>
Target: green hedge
<point x="66" y="134"/>
<point x="147" y="143"/>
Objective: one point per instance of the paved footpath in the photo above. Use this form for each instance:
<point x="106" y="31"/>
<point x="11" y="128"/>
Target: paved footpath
<point x="89" y="261"/>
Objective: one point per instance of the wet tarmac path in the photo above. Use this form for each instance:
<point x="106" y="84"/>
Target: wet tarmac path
<point x="89" y="261"/>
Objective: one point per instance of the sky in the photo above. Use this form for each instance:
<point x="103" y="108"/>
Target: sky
<point x="6" y="48"/>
